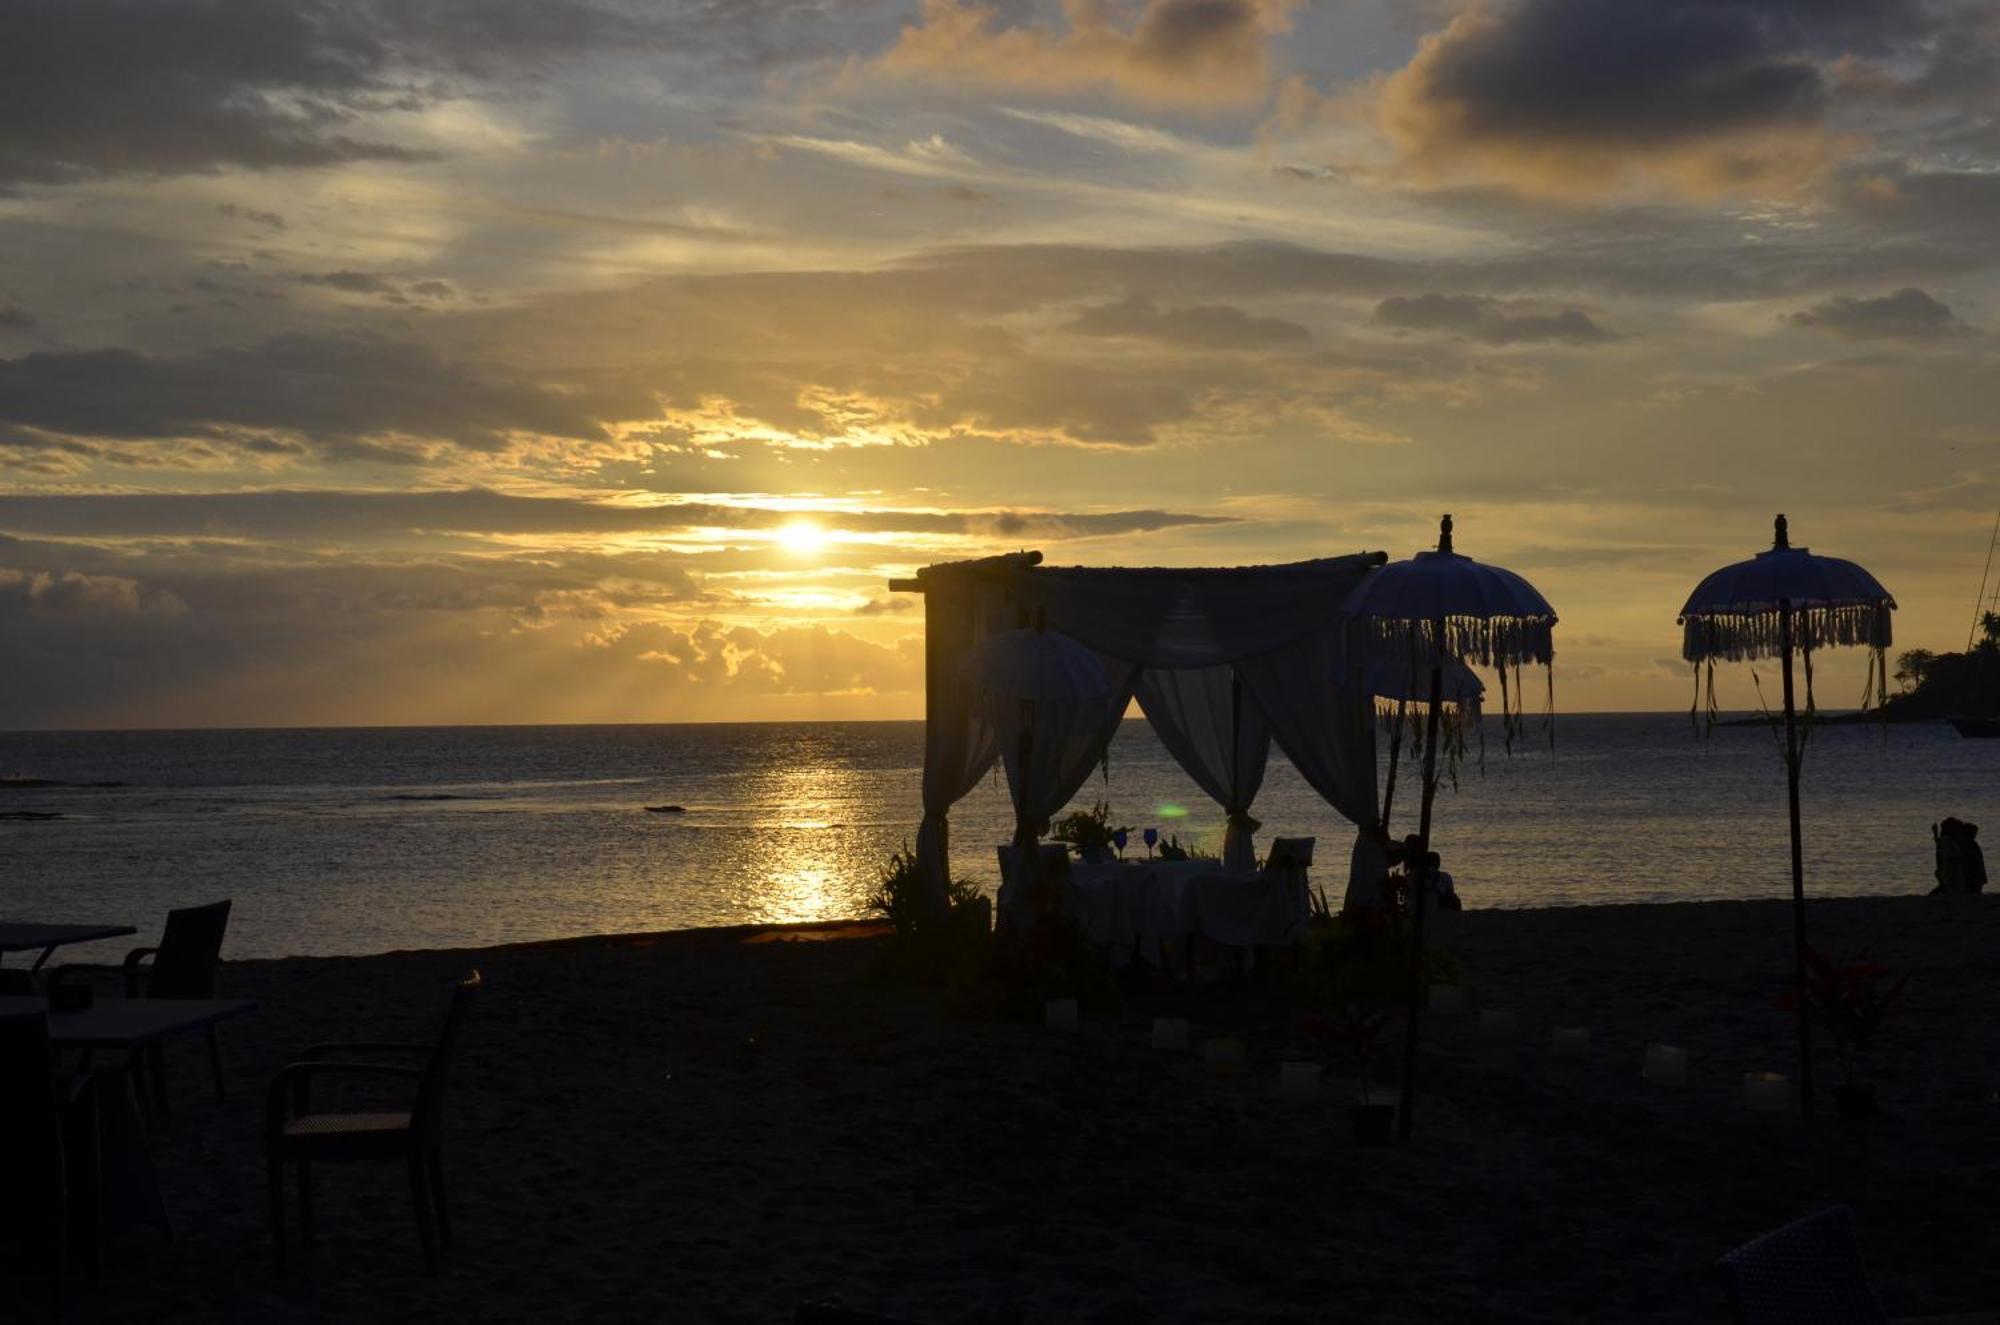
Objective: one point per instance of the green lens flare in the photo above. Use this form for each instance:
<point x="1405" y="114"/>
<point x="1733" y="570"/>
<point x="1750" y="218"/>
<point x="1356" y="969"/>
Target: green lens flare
<point x="1169" y="810"/>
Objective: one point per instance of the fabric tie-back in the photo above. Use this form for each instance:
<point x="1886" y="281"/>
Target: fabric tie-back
<point x="1217" y="733"/>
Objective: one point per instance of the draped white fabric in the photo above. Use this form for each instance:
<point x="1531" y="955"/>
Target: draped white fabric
<point x="1277" y="624"/>
<point x="1321" y="716"/>
<point x="959" y="744"/>
<point x="1067" y="744"/>
<point x="1190" y="618"/>
<point x="1215" y="731"/>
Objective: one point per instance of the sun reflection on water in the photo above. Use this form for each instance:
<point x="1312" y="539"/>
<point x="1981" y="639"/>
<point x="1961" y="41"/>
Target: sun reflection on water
<point x="809" y="863"/>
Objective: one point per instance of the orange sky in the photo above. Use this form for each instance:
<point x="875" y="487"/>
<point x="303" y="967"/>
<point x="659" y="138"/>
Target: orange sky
<point x="584" y="361"/>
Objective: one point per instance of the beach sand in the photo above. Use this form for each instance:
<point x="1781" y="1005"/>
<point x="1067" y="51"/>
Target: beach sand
<point x="702" y="1128"/>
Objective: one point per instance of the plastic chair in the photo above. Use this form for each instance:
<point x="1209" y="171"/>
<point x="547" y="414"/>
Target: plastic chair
<point x="298" y="1134"/>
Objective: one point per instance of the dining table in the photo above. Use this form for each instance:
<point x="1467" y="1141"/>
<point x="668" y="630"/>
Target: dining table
<point x="1151" y="909"/>
<point x="27" y="936"/>
<point x="124" y="1026"/>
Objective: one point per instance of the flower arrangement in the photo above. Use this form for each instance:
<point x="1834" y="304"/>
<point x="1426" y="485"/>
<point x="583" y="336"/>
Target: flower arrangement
<point x="1089" y="832"/>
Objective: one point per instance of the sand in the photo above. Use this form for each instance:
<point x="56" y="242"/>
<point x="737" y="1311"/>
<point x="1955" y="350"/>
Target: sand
<point x="701" y="1128"/>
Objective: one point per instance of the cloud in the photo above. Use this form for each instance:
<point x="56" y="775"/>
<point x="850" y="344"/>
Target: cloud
<point x="269" y="220"/>
<point x="281" y="514"/>
<point x="94" y="88"/>
<point x="1489" y="321"/>
<point x="1582" y="97"/>
<point x="1908" y="314"/>
<point x="1195" y="53"/>
<point x="1197" y="327"/>
<point x="375" y="284"/>
<point x="72" y="592"/>
<point x="13" y="318"/>
<point x="333" y="391"/>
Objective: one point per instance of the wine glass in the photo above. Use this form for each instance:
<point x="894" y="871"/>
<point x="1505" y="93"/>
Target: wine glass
<point x="1152" y="836"/>
<point x="1119" y="839"/>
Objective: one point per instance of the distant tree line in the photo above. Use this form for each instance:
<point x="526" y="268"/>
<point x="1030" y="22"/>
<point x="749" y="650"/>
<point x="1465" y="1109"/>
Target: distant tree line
<point x="1950" y="685"/>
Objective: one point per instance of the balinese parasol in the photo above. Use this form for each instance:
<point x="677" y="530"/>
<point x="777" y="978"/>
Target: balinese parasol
<point x="1779" y="601"/>
<point x="1022" y="679"/>
<point x="1435" y="606"/>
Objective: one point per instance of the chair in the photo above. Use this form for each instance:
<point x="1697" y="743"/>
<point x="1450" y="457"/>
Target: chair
<point x="48" y="1151"/>
<point x="1806" y="1273"/>
<point x="182" y="966"/>
<point x="296" y="1133"/>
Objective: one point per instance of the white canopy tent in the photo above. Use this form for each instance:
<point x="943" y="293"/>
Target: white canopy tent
<point x="1224" y="663"/>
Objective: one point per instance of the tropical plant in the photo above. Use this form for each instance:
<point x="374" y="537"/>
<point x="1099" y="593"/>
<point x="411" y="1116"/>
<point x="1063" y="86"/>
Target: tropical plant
<point x="1913" y="668"/>
<point x="952" y="950"/>
<point x="899" y="892"/>
<point x="1851" y="997"/>
<point x="1354" y="1035"/>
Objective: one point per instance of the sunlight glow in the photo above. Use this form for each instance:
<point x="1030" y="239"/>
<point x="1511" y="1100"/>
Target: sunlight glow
<point x="802" y="536"/>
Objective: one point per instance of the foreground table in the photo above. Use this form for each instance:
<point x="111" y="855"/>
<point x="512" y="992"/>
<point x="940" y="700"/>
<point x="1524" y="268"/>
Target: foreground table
<point x="20" y="936"/>
<point x="132" y="1191"/>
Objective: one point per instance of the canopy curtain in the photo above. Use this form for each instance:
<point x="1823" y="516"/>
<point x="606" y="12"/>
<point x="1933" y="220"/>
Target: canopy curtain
<point x="1215" y="731"/>
<point x="1068" y="743"/>
<point x="959" y="744"/>
<point x="1321" y="716"/>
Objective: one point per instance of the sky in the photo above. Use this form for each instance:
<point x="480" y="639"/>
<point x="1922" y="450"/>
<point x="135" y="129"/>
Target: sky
<point x="439" y="361"/>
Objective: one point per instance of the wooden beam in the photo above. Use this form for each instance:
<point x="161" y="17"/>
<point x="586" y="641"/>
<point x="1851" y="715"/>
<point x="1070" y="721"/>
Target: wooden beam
<point x="1007" y="563"/>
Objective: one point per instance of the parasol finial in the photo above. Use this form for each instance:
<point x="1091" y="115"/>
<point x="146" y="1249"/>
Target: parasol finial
<point x="1444" y="535"/>
<point x="1781" y="536"/>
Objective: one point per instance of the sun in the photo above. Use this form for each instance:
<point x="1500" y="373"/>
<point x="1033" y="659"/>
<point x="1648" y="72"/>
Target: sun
<point x="802" y="536"/>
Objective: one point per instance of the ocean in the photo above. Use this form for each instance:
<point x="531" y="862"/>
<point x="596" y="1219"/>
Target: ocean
<point x="359" y="840"/>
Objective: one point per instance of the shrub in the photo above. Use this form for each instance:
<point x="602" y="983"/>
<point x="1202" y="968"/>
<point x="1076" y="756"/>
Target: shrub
<point x="953" y="950"/>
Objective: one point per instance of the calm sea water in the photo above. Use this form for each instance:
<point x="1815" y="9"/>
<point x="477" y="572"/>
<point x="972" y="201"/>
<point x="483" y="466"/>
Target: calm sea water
<point x="364" y="840"/>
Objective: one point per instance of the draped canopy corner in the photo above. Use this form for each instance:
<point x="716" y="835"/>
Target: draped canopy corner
<point x="1224" y="662"/>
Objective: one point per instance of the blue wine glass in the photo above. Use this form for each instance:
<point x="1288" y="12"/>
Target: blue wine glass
<point x="1152" y="836"/>
<point x="1119" y="839"/>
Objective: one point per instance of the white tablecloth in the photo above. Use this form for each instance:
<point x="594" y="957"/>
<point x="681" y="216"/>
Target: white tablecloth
<point x="1145" y="905"/>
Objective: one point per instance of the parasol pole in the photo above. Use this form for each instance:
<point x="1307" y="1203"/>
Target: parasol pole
<point x="1418" y="872"/>
<point x="1798" y="857"/>
<point x="1395" y="750"/>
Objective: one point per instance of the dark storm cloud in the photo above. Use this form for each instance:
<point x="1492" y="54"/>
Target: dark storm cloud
<point x="1489" y="321"/>
<point x="110" y="87"/>
<point x="346" y="515"/>
<point x="331" y="390"/>
<point x="1908" y="314"/>
<point x="1721" y="93"/>
<point x="1196" y="327"/>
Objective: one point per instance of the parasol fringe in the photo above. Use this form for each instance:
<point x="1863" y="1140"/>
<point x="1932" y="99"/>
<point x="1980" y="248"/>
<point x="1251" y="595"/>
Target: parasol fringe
<point x="1491" y="642"/>
<point x="1745" y="637"/>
